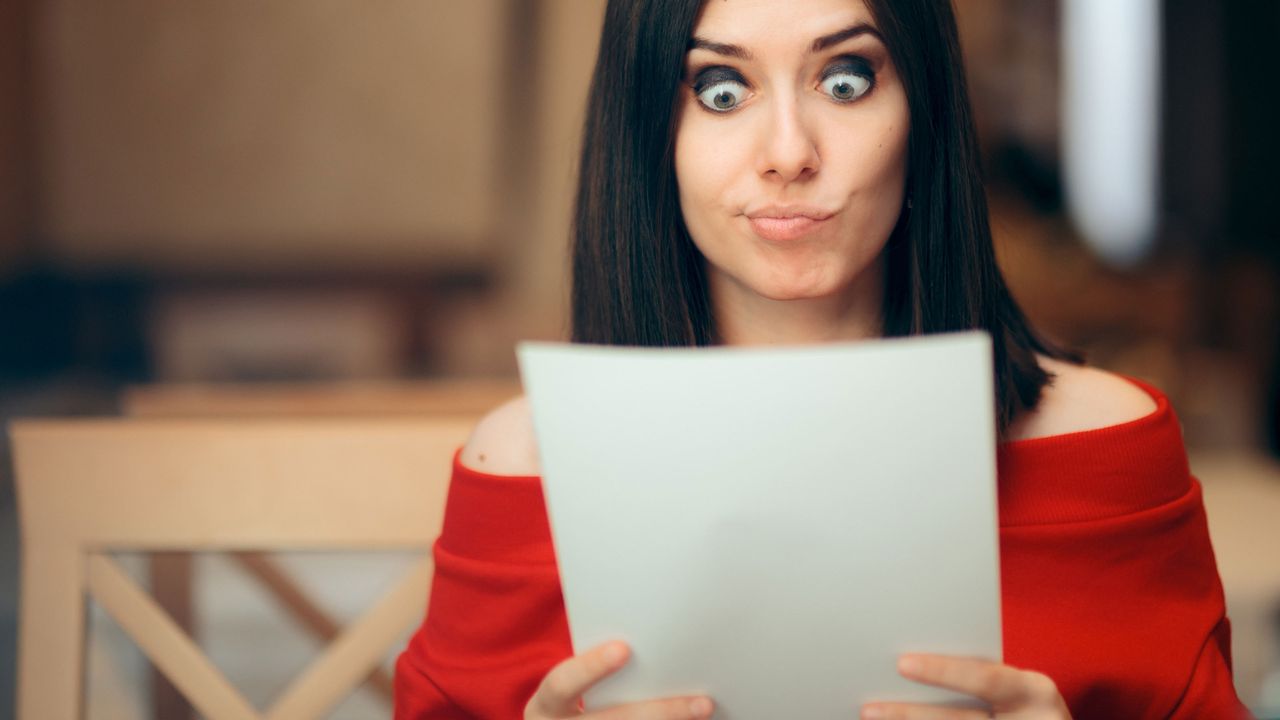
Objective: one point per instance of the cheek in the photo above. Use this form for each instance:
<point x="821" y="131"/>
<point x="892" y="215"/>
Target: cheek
<point x="874" y="164"/>
<point x="705" y="171"/>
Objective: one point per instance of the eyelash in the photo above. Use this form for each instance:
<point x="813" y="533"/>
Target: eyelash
<point x="717" y="74"/>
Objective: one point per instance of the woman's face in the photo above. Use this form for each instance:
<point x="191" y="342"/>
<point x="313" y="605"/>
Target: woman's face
<point x="791" y="146"/>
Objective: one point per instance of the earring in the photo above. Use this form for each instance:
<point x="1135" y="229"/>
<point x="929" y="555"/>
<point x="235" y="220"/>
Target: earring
<point x="908" y="202"/>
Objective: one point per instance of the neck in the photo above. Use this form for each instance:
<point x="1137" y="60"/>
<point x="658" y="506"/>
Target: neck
<point x="744" y="317"/>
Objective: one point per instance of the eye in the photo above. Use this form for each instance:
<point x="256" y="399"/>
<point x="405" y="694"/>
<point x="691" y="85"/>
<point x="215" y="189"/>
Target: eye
<point x="720" y="89"/>
<point x="722" y="96"/>
<point x="848" y="81"/>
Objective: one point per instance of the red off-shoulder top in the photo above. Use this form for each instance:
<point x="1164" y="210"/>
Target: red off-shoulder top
<point x="1108" y="584"/>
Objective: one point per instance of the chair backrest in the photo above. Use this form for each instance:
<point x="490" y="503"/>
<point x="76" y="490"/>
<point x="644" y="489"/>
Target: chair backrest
<point x="421" y="397"/>
<point x="89" y="487"/>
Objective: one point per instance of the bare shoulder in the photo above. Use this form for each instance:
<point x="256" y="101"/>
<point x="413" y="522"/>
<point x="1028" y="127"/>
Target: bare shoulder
<point x="1081" y="398"/>
<point x="503" y="442"/>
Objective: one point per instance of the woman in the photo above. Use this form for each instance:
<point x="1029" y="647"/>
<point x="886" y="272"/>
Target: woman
<point x="768" y="172"/>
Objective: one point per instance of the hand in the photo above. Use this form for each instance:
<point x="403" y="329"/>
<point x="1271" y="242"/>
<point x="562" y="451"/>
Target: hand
<point x="1011" y="693"/>
<point x="560" y="694"/>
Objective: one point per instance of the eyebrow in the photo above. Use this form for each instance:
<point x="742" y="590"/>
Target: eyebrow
<point x="820" y="44"/>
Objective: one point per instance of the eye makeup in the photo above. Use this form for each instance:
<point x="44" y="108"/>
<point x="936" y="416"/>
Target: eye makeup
<point x="851" y="64"/>
<point x="700" y="79"/>
<point x="704" y="78"/>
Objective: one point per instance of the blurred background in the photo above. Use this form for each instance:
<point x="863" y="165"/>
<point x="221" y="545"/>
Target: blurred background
<point x="333" y="190"/>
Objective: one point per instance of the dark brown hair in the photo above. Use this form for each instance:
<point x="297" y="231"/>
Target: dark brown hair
<point x="639" y="280"/>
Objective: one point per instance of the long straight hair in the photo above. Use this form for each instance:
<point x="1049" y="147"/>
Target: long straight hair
<point x="639" y="280"/>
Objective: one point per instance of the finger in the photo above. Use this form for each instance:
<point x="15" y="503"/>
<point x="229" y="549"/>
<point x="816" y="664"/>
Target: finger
<point x="687" y="708"/>
<point x="1000" y="685"/>
<point x="905" y="711"/>
<point x="558" y="695"/>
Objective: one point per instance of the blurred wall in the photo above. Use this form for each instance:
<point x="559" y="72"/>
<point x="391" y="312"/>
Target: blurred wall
<point x="569" y="34"/>
<point x="383" y="147"/>
<point x="532" y="289"/>
<point x="293" y="133"/>
<point x="983" y="38"/>
<point x="13" y="133"/>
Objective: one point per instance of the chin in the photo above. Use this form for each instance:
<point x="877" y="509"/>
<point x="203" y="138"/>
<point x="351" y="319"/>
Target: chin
<point x="796" y="288"/>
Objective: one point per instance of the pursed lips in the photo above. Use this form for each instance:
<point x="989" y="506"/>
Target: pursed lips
<point x="783" y="224"/>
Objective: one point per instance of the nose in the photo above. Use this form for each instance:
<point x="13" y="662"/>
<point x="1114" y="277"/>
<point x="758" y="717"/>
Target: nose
<point x="789" y="151"/>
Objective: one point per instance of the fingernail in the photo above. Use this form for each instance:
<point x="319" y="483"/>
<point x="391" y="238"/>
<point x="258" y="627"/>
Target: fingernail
<point x="701" y="707"/>
<point x="872" y="712"/>
<point x="615" y="654"/>
<point x="909" y="665"/>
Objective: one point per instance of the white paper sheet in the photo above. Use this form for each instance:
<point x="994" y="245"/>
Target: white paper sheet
<point x="772" y="527"/>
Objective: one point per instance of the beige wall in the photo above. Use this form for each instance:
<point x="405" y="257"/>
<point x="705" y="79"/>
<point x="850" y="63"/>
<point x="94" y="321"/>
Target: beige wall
<point x="239" y="137"/>
<point x="570" y="34"/>
<point x="984" y="40"/>
<point x="1010" y="49"/>
<point x="289" y="133"/>
<point x="533" y="302"/>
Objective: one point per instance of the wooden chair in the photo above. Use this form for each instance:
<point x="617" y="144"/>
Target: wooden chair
<point x="470" y="398"/>
<point x="86" y="488"/>
<point x="171" y="574"/>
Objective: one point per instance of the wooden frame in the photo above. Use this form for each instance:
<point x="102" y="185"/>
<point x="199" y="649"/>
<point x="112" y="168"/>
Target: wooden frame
<point x="472" y="398"/>
<point x="89" y="487"/>
<point x="171" y="573"/>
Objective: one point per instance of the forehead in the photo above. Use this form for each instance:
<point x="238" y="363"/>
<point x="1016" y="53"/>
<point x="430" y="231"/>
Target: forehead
<point x="761" y="23"/>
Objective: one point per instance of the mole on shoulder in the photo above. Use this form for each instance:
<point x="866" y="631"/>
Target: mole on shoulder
<point x="481" y="457"/>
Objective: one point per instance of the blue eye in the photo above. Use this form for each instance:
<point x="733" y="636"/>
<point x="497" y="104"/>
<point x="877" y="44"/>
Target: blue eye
<point x="722" y="96"/>
<point x="846" y="86"/>
<point x="848" y="79"/>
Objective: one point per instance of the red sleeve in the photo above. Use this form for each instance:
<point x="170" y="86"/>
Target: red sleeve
<point x="495" y="621"/>
<point x="1126" y="614"/>
<point x="1210" y="693"/>
<point x="1109" y="582"/>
